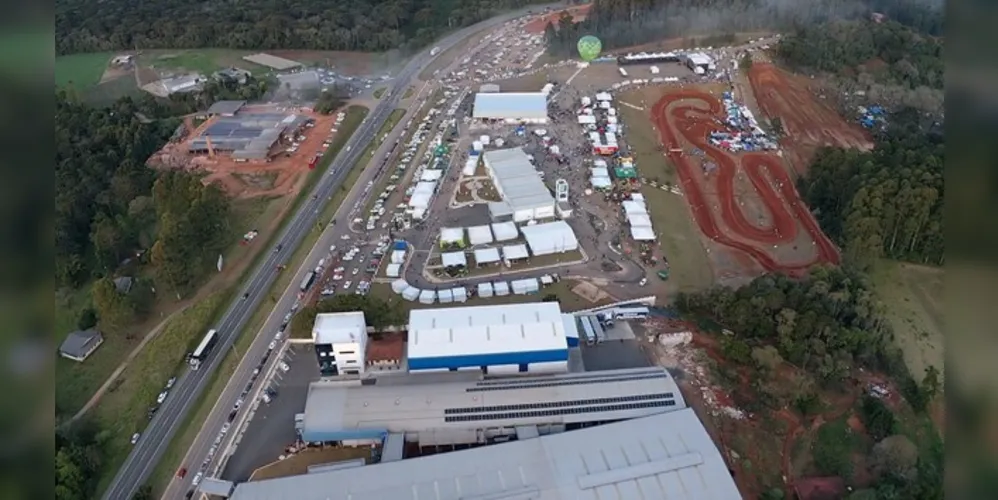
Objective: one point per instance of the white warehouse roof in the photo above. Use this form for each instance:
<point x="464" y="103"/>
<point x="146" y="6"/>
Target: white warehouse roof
<point x="699" y="59"/>
<point x="552" y="237"/>
<point x="451" y="235"/>
<point x="341" y="327"/>
<point x="482" y="330"/>
<point x="479" y="235"/>
<point x="663" y="456"/>
<point x="454" y="259"/>
<point x="486" y="255"/>
<point x="511" y="106"/>
<point x="505" y="231"/>
<point x="517" y="181"/>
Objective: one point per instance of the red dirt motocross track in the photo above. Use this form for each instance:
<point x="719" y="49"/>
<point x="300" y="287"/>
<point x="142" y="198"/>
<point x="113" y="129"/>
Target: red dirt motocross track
<point x="694" y="123"/>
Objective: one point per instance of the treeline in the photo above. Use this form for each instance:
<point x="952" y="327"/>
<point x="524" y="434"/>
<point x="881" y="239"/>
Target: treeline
<point x="111" y="207"/>
<point x="367" y="25"/>
<point x="78" y="454"/>
<point x="625" y="23"/>
<point x="889" y="51"/>
<point x="884" y="203"/>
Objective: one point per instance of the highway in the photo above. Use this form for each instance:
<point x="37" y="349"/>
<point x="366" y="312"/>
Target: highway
<point x="154" y="441"/>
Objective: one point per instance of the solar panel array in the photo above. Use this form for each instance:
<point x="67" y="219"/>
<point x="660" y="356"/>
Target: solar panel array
<point x="482" y="387"/>
<point x="560" y="411"/>
<point x="558" y="404"/>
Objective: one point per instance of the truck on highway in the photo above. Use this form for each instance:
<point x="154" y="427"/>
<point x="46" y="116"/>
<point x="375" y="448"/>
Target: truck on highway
<point x="203" y="350"/>
<point x="306" y="283"/>
<point x="435" y="51"/>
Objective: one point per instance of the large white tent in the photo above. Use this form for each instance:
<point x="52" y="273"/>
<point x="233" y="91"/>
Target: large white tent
<point x="451" y="235"/>
<point x="479" y="235"/>
<point x="600" y="182"/>
<point x="420" y="201"/>
<point x="514" y="252"/>
<point x="639" y="220"/>
<point x="470" y="165"/>
<point x="642" y="233"/>
<point x="505" y="231"/>
<point x="501" y="288"/>
<point x="460" y="294"/>
<point x="525" y="286"/>
<point x="411" y="293"/>
<point x="393" y="271"/>
<point x="486" y="256"/>
<point x="397" y="257"/>
<point x="485" y="290"/>
<point x="454" y="259"/>
<point x="431" y="175"/>
<point x="633" y="207"/>
<point x="427" y="296"/>
<point x="445" y="296"/>
<point x="399" y="285"/>
<point x="553" y="237"/>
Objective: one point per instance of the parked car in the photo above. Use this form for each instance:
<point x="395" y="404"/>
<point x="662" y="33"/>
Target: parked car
<point x="169" y="383"/>
<point x="135" y="437"/>
<point x="162" y="397"/>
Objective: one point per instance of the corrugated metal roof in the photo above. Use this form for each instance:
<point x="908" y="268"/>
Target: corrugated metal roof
<point x="511" y="106"/>
<point x="225" y="107"/>
<point x="667" y="456"/>
<point x="272" y="61"/>
<point x="461" y="402"/>
<point x="517" y="181"/>
<point x="464" y="331"/>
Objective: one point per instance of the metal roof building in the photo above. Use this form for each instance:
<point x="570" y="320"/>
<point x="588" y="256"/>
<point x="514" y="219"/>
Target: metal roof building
<point x="270" y="61"/>
<point x="668" y="456"/>
<point x="451" y="408"/>
<point x="552" y="237"/>
<point x="506" y="338"/>
<point x="525" y="197"/>
<point x="225" y="108"/>
<point x="248" y="135"/>
<point x="516" y="107"/>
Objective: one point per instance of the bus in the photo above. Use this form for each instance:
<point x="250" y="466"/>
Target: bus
<point x="204" y="349"/>
<point x="631" y="312"/>
<point x="307" y="281"/>
<point x="587" y="330"/>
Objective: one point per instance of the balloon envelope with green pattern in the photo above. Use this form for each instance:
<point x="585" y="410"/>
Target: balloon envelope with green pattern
<point x="589" y="47"/>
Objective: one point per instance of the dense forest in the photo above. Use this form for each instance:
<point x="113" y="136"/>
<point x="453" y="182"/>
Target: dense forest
<point x="625" y="23"/>
<point x="887" y="50"/>
<point x="884" y="203"/>
<point x="827" y="324"/>
<point x="110" y="206"/>
<point x="367" y="25"/>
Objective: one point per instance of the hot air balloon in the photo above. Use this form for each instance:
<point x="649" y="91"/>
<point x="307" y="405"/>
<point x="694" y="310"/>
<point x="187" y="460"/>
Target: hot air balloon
<point x="589" y="47"/>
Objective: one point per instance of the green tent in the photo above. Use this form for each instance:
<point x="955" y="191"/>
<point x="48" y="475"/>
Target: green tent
<point x="625" y="173"/>
<point x="441" y="150"/>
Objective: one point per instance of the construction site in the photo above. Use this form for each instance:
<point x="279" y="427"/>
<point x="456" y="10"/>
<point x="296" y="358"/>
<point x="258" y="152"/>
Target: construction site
<point x="250" y="151"/>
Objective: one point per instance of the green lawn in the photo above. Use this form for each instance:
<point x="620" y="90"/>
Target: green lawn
<point x="122" y="411"/>
<point x="409" y="93"/>
<point x="378" y="92"/>
<point x="913" y="296"/>
<point x="204" y="61"/>
<point x="678" y="234"/>
<point x="82" y="70"/>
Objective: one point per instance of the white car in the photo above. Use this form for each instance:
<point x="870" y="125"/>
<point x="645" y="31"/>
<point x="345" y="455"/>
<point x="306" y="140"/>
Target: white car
<point x="643" y="282"/>
<point x="225" y="427"/>
<point x="169" y="383"/>
<point x="162" y="397"/>
<point x="135" y="438"/>
<point x="345" y="237"/>
<point x="355" y="271"/>
<point x="239" y="402"/>
<point x="347" y="284"/>
<point x="337" y="277"/>
<point x="273" y="344"/>
<point x="197" y="479"/>
<point x="279" y="335"/>
<point x="284" y="366"/>
<point x="332" y="248"/>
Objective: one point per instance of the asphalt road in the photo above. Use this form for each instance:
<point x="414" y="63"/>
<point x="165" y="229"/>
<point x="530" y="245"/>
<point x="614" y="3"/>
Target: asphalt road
<point x="154" y="441"/>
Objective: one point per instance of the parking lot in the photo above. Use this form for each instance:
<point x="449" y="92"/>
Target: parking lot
<point x="614" y="355"/>
<point x="272" y="427"/>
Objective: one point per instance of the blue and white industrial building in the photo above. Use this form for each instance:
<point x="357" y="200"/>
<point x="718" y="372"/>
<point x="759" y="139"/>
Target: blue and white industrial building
<point x="495" y="340"/>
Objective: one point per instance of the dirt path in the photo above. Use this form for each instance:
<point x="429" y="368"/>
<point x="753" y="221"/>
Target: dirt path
<point x="124" y="364"/>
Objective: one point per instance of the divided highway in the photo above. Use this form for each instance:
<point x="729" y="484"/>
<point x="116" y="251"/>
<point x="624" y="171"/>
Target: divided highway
<point x="153" y="443"/>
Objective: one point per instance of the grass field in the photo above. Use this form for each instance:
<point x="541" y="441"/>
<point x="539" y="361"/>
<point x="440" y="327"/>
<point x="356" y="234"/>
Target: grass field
<point x="678" y="234"/>
<point x="82" y="70"/>
<point x="913" y="296"/>
<point x="378" y="92"/>
<point x="204" y="61"/>
<point x="122" y="411"/>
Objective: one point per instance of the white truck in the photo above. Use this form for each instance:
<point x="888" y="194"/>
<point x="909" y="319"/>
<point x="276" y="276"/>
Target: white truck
<point x="434" y="51"/>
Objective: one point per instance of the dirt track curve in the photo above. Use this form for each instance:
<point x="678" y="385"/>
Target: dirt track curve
<point x="785" y="207"/>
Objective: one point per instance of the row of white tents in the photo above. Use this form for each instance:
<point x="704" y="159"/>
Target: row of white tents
<point x="638" y="218"/>
<point x="487" y="289"/>
<point x="543" y="239"/>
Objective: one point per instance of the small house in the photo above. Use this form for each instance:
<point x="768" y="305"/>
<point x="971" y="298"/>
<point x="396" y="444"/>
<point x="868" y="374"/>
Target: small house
<point x="79" y="345"/>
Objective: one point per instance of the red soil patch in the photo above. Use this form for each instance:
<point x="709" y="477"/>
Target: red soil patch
<point x="279" y="177"/>
<point x="541" y="22"/>
<point x="808" y="123"/>
<point x="682" y="124"/>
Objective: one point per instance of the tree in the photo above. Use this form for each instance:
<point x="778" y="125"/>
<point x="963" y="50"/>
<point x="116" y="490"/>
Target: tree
<point x="114" y="310"/>
<point x="143" y="493"/>
<point x="767" y="358"/>
<point x="746" y="62"/>
<point x="878" y="419"/>
<point x="896" y="456"/>
<point x="87" y="318"/>
<point x="832" y="449"/>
